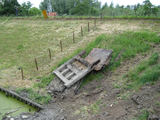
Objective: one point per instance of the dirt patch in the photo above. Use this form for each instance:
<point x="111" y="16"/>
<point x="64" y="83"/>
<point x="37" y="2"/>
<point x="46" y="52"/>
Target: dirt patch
<point x="101" y="100"/>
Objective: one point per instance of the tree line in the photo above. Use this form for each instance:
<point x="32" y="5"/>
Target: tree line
<point x="7" y="7"/>
<point x="93" y="7"/>
<point x="72" y="7"/>
<point x="80" y="7"/>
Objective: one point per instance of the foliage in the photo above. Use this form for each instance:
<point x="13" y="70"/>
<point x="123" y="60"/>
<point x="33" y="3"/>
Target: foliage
<point x="34" y="95"/>
<point x="147" y="7"/>
<point x="8" y="8"/>
<point x="94" y="11"/>
<point x="144" y="115"/>
<point x="25" y="7"/>
<point x="34" y="11"/>
<point x="146" y="71"/>
<point x="82" y="8"/>
<point x="71" y="6"/>
<point x="155" y="10"/>
<point x="134" y="43"/>
<point x="44" y="5"/>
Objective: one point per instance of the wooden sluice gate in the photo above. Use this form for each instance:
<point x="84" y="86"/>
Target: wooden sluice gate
<point x="20" y="98"/>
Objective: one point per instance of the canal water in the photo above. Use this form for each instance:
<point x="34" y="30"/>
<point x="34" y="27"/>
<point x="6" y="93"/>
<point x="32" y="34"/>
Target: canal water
<point x="8" y="104"/>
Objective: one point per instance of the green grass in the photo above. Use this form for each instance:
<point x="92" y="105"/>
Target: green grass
<point x="146" y="71"/>
<point x="35" y="96"/>
<point x="157" y="103"/>
<point x="143" y="116"/>
<point x="133" y="42"/>
<point x="23" y="41"/>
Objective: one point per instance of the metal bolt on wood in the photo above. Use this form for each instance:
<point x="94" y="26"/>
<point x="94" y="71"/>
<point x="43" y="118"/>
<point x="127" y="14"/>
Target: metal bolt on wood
<point x="36" y="64"/>
<point x="61" y="46"/>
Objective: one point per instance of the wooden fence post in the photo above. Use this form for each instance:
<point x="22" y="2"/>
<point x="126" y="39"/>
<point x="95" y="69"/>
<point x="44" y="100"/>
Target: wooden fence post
<point x="73" y="38"/>
<point x="50" y="53"/>
<point x="88" y="26"/>
<point x="36" y="64"/>
<point x="101" y="16"/>
<point x="22" y="73"/>
<point x="61" y="46"/>
<point x="81" y="31"/>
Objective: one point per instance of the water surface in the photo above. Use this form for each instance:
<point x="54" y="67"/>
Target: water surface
<point x="8" y="104"/>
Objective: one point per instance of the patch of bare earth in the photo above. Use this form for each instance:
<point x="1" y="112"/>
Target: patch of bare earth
<point x="101" y="100"/>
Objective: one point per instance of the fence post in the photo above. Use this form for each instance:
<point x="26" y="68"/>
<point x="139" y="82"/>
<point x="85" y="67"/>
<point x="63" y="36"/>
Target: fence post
<point x="94" y="22"/>
<point x="73" y="38"/>
<point x="88" y="26"/>
<point x="101" y="16"/>
<point x="50" y="53"/>
<point x="81" y="31"/>
<point x="22" y="73"/>
<point x="36" y="64"/>
<point x="61" y="46"/>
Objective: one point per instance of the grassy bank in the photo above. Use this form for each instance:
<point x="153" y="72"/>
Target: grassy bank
<point x="23" y="40"/>
<point x="134" y="43"/>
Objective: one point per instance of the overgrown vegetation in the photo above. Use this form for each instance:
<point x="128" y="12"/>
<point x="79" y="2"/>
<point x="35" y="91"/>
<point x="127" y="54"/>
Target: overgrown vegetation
<point x="92" y="108"/>
<point x="144" y="115"/>
<point x="16" y="45"/>
<point x="35" y="95"/>
<point x="93" y="8"/>
<point x="146" y="71"/>
<point x="133" y="42"/>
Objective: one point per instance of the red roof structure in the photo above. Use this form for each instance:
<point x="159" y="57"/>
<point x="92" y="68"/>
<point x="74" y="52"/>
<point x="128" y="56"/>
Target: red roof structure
<point x="52" y="14"/>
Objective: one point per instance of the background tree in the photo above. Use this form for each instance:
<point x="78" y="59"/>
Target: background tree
<point x="8" y="8"/>
<point x="134" y="7"/>
<point x="82" y="8"/>
<point x="44" y="5"/>
<point x="104" y="6"/>
<point x="34" y="11"/>
<point x="25" y="7"/>
<point x="155" y="10"/>
<point x="121" y="9"/>
<point x="94" y="11"/>
<point x="147" y="7"/>
<point x="111" y="5"/>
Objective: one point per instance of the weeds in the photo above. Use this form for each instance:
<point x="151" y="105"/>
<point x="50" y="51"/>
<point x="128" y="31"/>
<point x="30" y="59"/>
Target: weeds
<point x="93" y="108"/>
<point x="133" y="42"/>
<point x="146" y="71"/>
<point x="143" y="116"/>
<point x="158" y="104"/>
<point x="35" y="96"/>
